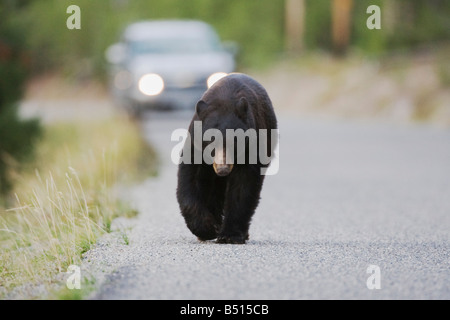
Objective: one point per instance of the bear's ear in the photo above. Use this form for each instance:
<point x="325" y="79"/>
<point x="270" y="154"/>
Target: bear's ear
<point x="242" y="108"/>
<point x="201" y="106"/>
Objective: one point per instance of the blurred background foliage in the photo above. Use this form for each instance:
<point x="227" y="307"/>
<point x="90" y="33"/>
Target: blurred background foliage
<point x="258" y="26"/>
<point x="17" y="136"/>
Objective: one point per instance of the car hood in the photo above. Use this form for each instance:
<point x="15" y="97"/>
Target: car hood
<point x="175" y="64"/>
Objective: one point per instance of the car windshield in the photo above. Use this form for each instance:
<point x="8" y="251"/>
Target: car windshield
<point x="173" y="45"/>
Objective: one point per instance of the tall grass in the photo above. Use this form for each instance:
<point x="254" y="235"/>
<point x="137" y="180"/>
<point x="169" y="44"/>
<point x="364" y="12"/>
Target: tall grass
<point x="68" y="200"/>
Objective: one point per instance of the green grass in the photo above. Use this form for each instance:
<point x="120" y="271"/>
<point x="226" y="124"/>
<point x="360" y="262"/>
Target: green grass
<point x="125" y="238"/>
<point x="86" y="287"/>
<point x="66" y="200"/>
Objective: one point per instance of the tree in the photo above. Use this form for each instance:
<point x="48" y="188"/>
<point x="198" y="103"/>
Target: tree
<point x="341" y="24"/>
<point x="294" y="24"/>
<point x="17" y="136"/>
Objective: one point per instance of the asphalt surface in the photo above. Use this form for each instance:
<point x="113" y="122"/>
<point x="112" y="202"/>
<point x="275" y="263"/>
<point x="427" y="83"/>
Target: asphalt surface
<point x="347" y="195"/>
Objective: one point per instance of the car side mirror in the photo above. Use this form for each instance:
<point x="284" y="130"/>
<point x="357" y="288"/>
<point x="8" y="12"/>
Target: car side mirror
<point x="116" y="53"/>
<point x="231" y="47"/>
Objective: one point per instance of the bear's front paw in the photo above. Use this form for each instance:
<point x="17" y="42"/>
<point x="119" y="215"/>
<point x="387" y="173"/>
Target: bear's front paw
<point x="205" y="228"/>
<point x="232" y="238"/>
<point x="206" y="233"/>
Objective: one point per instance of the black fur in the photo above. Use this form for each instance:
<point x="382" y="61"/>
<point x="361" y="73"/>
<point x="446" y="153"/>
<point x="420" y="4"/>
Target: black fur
<point x="222" y="207"/>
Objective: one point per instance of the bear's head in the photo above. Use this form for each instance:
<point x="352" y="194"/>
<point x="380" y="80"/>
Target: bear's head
<point x="224" y="116"/>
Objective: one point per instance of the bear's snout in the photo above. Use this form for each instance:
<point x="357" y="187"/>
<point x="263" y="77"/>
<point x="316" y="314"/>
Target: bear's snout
<point x="222" y="170"/>
<point x="221" y="166"/>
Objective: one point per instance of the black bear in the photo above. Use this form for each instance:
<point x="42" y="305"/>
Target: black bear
<point x="218" y="199"/>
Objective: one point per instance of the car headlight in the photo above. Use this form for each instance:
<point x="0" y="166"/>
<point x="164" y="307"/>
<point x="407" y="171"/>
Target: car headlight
<point x="151" y="84"/>
<point x="214" y="78"/>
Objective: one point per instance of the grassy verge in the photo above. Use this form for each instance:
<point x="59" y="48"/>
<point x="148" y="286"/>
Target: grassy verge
<point x="67" y="199"/>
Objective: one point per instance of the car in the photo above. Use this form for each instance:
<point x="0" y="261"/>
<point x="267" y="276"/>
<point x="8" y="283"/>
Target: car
<point x="167" y="64"/>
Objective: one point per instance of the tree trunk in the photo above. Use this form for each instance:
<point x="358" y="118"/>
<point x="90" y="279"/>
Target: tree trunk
<point x="294" y="24"/>
<point x="341" y="24"/>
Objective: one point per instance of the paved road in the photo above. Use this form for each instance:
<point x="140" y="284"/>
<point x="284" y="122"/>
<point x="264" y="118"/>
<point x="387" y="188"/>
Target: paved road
<point x="348" y="195"/>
